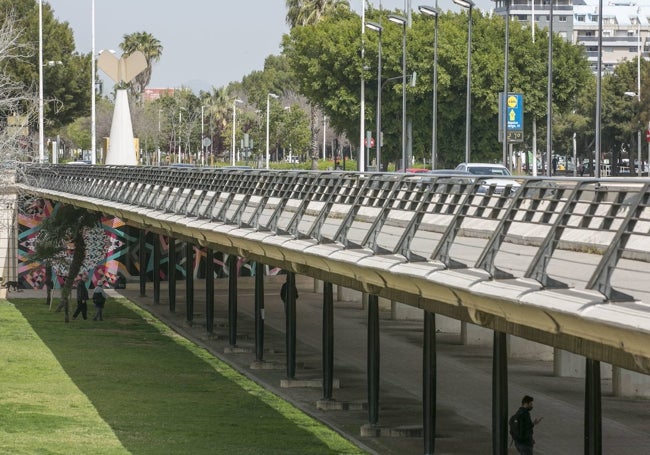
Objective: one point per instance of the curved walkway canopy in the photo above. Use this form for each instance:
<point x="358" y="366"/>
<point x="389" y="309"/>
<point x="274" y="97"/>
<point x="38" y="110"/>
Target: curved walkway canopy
<point x="563" y="262"/>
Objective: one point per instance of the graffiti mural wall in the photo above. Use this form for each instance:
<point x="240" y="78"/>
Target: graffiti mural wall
<point x="113" y="252"/>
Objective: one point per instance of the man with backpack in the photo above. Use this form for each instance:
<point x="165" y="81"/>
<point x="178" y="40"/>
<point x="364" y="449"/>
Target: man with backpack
<point x="99" y="298"/>
<point x="521" y="427"/>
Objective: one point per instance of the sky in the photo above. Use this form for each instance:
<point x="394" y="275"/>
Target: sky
<point x="206" y="43"/>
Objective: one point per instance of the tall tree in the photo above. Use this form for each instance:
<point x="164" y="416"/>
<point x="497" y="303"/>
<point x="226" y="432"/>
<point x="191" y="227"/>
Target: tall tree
<point x="152" y="50"/>
<point x="309" y="12"/>
<point x="60" y="233"/>
<point x="217" y="104"/>
<point x="326" y="62"/>
<point x="66" y="73"/>
<point x="302" y="13"/>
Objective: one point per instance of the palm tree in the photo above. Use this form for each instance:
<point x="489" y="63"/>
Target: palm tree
<point x="302" y="13"/>
<point x="309" y="12"/>
<point x="217" y="104"/>
<point x="59" y="233"/>
<point x="152" y="50"/>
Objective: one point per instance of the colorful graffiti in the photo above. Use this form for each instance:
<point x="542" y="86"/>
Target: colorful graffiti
<point x="113" y="253"/>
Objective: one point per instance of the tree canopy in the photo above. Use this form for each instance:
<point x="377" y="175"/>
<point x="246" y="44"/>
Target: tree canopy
<point x="327" y="65"/>
<point x="66" y="73"/>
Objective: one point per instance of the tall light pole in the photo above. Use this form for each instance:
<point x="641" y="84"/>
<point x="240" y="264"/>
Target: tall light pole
<point x="324" y="136"/>
<point x="402" y="21"/>
<point x="158" y="138"/>
<point x="93" y="119"/>
<point x="41" y="137"/>
<point x="429" y="11"/>
<point x="180" y="133"/>
<point x="268" y="105"/>
<point x="506" y="87"/>
<point x="202" y="137"/>
<point x="234" y="118"/>
<point x="362" y="108"/>
<point x="599" y="78"/>
<point x="469" y="4"/>
<point x="378" y="28"/>
<point x="638" y="86"/>
<point x="549" y="97"/>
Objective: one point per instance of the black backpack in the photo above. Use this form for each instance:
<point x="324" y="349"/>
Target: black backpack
<point x="516" y="426"/>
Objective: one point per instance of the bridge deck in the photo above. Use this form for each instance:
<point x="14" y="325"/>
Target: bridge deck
<point x="561" y="262"/>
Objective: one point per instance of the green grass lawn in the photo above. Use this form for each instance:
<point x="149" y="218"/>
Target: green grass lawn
<point x="131" y="385"/>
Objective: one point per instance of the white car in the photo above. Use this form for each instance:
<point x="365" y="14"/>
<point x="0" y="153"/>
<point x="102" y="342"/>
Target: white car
<point x="493" y="172"/>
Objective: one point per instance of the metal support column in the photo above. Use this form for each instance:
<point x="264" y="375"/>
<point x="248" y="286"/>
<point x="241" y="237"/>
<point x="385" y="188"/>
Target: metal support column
<point x="499" y="394"/>
<point x="429" y="374"/>
<point x="209" y="290"/>
<point x="593" y="411"/>
<point x="232" y="300"/>
<point x="189" y="281"/>
<point x="328" y="340"/>
<point x="156" y="268"/>
<point x="290" y="320"/>
<point x="373" y="359"/>
<point x="142" y="259"/>
<point x="171" y="273"/>
<point x="259" y="311"/>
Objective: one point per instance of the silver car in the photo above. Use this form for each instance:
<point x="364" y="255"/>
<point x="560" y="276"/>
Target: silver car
<point x="492" y="172"/>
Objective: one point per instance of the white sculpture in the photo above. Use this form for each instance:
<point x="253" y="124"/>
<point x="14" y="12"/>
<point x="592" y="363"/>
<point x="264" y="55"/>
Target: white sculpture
<point x="121" y="148"/>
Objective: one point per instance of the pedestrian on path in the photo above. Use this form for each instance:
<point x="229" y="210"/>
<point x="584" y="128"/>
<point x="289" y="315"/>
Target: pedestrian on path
<point x="99" y="298"/>
<point x="521" y="427"/>
<point x="284" y="292"/>
<point x="82" y="301"/>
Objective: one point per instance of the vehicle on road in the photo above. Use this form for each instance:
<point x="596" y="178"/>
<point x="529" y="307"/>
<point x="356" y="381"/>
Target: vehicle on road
<point x="498" y="177"/>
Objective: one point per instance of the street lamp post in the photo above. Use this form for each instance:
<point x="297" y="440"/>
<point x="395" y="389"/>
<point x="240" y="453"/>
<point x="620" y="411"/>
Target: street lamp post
<point x="402" y="21"/>
<point x="324" y="136"/>
<point x="637" y="95"/>
<point x="234" y="118"/>
<point x="180" y="133"/>
<point x="202" y="137"/>
<point x="429" y="11"/>
<point x="469" y="4"/>
<point x="378" y="28"/>
<point x="638" y="87"/>
<point x="506" y="87"/>
<point x="41" y="137"/>
<point x="268" y="105"/>
<point x="549" y="96"/>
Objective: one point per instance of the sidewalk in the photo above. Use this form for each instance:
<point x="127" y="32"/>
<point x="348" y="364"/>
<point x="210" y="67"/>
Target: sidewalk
<point x="464" y="375"/>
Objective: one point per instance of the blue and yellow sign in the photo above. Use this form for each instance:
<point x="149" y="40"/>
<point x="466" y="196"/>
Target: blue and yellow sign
<point x="515" y="112"/>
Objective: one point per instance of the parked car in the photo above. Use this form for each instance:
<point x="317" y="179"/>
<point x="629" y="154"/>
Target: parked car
<point x="493" y="172"/>
<point x="484" y="169"/>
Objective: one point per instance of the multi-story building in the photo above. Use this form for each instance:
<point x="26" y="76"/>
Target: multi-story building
<point x="625" y="25"/>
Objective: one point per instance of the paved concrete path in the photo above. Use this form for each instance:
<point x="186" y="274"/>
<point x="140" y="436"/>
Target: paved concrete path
<point x="464" y="375"/>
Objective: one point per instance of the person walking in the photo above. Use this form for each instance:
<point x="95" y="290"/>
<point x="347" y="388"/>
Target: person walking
<point x="99" y="298"/>
<point x="284" y="292"/>
<point x="521" y="427"/>
<point x="82" y="299"/>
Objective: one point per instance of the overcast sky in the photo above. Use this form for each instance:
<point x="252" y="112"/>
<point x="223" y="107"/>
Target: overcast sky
<point x="205" y="42"/>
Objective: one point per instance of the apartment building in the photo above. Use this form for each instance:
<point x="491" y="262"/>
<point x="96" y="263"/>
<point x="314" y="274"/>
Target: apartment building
<point x="625" y="25"/>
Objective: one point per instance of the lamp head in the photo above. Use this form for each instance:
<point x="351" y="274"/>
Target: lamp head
<point x="274" y="96"/>
<point x="465" y="3"/>
<point x="429" y="10"/>
<point x="397" y="19"/>
<point x="374" y="26"/>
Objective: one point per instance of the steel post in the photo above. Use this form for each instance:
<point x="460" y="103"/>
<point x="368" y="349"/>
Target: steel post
<point x="373" y="359"/>
<point x="259" y="311"/>
<point x="328" y="340"/>
<point x="209" y="290"/>
<point x="232" y="300"/>
<point x="189" y="281"/>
